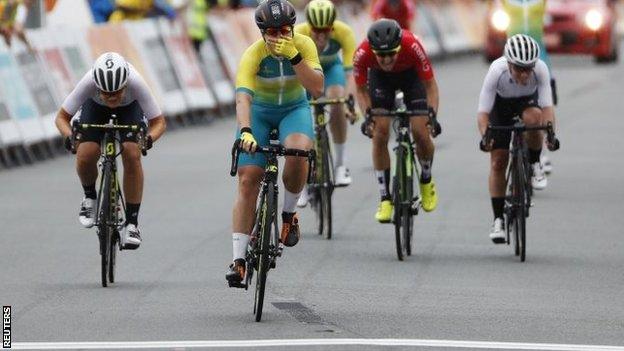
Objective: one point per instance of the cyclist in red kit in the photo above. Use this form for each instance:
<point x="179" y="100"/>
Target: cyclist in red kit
<point x="402" y="11"/>
<point x="392" y="59"/>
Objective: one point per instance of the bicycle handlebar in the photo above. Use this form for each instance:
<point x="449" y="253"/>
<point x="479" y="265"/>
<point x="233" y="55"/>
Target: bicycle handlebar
<point x="521" y="127"/>
<point x="141" y="139"/>
<point x="277" y="150"/>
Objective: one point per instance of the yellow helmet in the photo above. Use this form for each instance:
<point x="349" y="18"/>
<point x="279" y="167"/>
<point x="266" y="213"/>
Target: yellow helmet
<point x="321" y="13"/>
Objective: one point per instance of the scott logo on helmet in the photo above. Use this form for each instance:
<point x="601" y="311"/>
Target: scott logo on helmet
<point x="275" y="10"/>
<point x="109" y="63"/>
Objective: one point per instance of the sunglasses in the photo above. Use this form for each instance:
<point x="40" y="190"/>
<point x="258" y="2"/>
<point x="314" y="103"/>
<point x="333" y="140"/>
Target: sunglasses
<point x="386" y="53"/>
<point x="322" y="30"/>
<point x="274" y="32"/>
<point x="521" y="69"/>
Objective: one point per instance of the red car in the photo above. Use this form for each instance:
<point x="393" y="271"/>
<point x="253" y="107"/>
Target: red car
<point x="571" y="27"/>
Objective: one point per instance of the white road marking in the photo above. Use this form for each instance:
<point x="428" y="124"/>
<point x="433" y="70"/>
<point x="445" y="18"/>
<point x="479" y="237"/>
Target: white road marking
<point x="308" y="342"/>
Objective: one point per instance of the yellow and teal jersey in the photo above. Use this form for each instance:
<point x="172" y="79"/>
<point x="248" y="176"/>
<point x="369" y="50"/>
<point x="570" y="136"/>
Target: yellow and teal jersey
<point x="526" y="17"/>
<point x="342" y="38"/>
<point x="270" y="80"/>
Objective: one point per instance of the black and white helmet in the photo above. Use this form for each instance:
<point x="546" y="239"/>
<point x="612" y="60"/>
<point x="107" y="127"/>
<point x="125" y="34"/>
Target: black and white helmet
<point x="110" y="72"/>
<point x="522" y="50"/>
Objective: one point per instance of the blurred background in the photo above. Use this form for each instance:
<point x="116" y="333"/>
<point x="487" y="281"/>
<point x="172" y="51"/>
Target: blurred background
<point x="188" y="50"/>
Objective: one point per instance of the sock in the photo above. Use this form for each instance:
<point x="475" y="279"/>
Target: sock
<point x="425" y="175"/>
<point x="89" y="191"/>
<point x="534" y="155"/>
<point x="383" y="178"/>
<point x="239" y="245"/>
<point x="339" y="151"/>
<point x="132" y="213"/>
<point x="290" y="201"/>
<point x="498" y="206"/>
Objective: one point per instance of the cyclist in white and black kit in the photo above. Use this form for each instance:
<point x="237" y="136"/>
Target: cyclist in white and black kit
<point x="112" y="86"/>
<point x="516" y="84"/>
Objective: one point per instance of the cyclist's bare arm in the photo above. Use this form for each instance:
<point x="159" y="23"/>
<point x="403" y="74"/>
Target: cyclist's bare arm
<point x="243" y="110"/>
<point x="62" y="121"/>
<point x="311" y="79"/>
<point x="156" y="127"/>
<point x="433" y="94"/>
<point x="483" y="120"/>
<point x="363" y="98"/>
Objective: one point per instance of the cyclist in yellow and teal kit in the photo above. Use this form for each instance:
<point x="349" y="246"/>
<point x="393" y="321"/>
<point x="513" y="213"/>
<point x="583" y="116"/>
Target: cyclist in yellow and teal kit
<point x="332" y="37"/>
<point x="271" y="83"/>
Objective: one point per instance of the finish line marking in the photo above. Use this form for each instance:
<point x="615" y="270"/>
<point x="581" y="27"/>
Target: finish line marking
<point x="307" y="342"/>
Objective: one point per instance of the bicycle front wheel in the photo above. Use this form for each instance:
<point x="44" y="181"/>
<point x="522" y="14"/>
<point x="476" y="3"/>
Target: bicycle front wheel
<point x="521" y="211"/>
<point x="104" y="230"/>
<point x="266" y="221"/>
<point x="399" y="216"/>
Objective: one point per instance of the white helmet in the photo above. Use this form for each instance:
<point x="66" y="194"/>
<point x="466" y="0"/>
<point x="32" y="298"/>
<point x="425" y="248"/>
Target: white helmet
<point x="522" y="50"/>
<point x="110" y="72"/>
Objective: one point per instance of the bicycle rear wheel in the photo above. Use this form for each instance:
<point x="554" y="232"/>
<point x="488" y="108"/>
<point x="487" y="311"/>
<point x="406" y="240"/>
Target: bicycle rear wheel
<point x="266" y="221"/>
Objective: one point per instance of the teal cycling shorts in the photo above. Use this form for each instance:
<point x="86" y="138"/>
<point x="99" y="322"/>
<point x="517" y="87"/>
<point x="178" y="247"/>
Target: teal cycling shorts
<point x="286" y="119"/>
<point x="334" y="75"/>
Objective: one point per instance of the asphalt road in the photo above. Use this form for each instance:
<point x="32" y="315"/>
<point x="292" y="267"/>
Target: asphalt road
<point x="456" y="286"/>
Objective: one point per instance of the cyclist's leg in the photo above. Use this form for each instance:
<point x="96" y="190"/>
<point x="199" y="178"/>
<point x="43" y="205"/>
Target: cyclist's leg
<point x="335" y="81"/>
<point x="296" y="131"/>
<point x="250" y="172"/>
<point x="499" y="158"/>
<point x="131" y="159"/>
<point x="382" y="93"/>
<point x="416" y="99"/>
<point x="532" y="116"/>
<point x="88" y="150"/>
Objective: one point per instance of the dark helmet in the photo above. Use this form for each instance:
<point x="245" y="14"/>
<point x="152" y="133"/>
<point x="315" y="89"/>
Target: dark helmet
<point x="384" y="34"/>
<point x="275" y="14"/>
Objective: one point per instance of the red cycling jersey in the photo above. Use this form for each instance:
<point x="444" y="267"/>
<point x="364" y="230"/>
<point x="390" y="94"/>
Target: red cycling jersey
<point x="403" y="12"/>
<point x="412" y="55"/>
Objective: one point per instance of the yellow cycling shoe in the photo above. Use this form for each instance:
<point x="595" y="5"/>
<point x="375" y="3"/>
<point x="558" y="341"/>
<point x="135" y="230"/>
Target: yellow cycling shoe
<point x="429" y="196"/>
<point x="384" y="212"/>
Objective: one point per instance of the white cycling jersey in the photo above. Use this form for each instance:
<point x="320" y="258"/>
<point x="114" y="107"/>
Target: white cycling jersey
<point x="499" y="81"/>
<point x="136" y="90"/>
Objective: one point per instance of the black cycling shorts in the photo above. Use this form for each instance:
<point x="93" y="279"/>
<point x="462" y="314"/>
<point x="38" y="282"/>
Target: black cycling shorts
<point x="382" y="87"/>
<point x="503" y="112"/>
<point x="94" y="113"/>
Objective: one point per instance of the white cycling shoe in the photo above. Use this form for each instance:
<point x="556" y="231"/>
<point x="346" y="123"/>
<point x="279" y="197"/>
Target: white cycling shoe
<point x="497" y="233"/>
<point x="130" y="237"/>
<point x="86" y="217"/>
<point x="343" y="178"/>
<point x="303" y="198"/>
<point x="538" y="180"/>
<point x="546" y="164"/>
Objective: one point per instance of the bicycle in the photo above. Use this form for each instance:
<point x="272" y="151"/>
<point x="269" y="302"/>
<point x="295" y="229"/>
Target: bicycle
<point x="406" y="202"/>
<point x="323" y="184"/>
<point x="110" y="207"/>
<point x="264" y="246"/>
<point x="519" y="173"/>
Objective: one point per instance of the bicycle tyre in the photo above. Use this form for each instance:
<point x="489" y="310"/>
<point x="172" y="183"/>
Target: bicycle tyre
<point x="397" y="202"/>
<point x="326" y="189"/>
<point x="266" y="218"/>
<point x="103" y="227"/>
<point x="522" y="208"/>
<point x="407" y="216"/>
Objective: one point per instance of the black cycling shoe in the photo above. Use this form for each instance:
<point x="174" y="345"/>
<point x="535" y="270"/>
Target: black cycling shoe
<point x="236" y="273"/>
